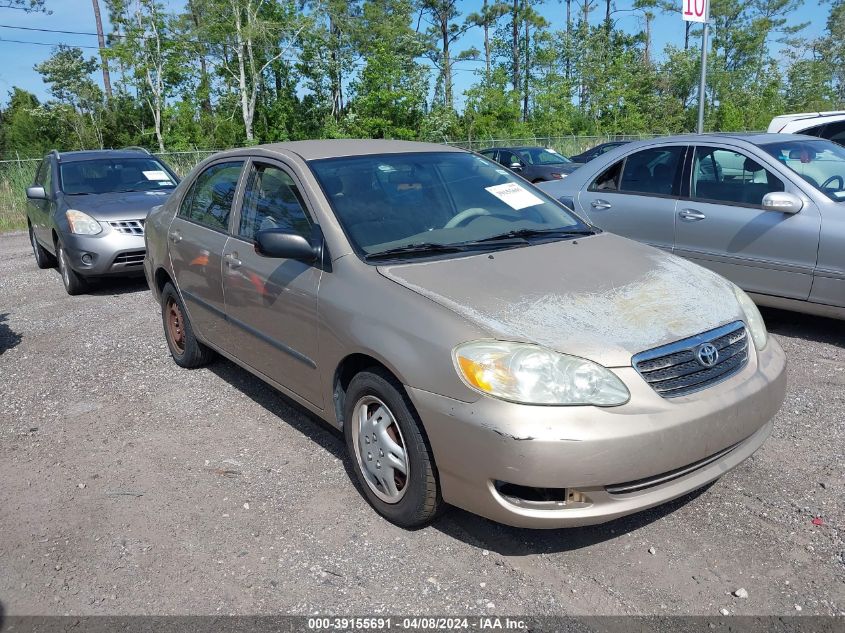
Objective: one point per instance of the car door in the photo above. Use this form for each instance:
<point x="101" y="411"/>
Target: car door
<point x="637" y="195"/>
<point x="39" y="210"/>
<point x="722" y="224"/>
<point x="513" y="162"/>
<point x="271" y="303"/>
<point x="196" y="238"/>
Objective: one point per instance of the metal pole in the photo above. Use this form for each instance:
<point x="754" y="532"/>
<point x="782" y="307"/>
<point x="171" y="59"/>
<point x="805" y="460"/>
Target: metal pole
<point x="703" y="84"/>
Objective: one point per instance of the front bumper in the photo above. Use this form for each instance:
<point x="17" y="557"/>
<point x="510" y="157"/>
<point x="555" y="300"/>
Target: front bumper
<point x="591" y="449"/>
<point x="109" y="253"/>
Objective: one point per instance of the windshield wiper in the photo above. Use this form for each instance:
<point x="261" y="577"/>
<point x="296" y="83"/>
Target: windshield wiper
<point x="419" y="248"/>
<point x="526" y="233"/>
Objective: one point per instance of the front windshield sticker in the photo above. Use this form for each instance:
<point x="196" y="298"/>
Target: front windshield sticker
<point x="514" y="196"/>
<point x="156" y="174"/>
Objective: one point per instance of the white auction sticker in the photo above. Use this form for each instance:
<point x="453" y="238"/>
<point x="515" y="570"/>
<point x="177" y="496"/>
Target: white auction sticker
<point x="514" y="196"/>
<point x="156" y="174"/>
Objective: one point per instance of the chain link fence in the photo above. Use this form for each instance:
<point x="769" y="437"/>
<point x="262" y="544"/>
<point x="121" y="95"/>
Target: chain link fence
<point x="18" y="173"/>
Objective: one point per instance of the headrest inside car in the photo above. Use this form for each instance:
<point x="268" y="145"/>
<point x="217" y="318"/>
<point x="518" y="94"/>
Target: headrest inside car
<point x="751" y="165"/>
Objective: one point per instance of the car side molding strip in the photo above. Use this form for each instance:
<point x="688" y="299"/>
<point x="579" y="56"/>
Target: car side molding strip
<point x="251" y="330"/>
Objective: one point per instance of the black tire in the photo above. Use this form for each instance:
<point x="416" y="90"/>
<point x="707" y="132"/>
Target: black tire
<point x="43" y="259"/>
<point x="186" y="350"/>
<point x="421" y="501"/>
<point x="74" y="283"/>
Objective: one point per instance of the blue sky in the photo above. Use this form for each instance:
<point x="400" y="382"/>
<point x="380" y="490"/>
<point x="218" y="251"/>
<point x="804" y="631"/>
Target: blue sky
<point x="17" y="60"/>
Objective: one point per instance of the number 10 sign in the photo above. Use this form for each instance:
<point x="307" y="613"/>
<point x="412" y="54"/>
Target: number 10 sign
<point x="696" y="10"/>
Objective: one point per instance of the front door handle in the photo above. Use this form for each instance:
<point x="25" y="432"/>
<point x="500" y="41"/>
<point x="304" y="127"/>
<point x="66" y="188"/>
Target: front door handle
<point x="232" y="260"/>
<point x="691" y="215"/>
<point x="175" y="236"/>
<point x="601" y="204"/>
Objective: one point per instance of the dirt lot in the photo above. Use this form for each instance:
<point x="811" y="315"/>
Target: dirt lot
<point x="132" y="486"/>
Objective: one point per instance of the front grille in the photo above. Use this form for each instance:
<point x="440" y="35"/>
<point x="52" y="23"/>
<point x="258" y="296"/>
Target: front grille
<point x="130" y="258"/>
<point x="649" y="482"/>
<point x="128" y="227"/>
<point x="674" y="370"/>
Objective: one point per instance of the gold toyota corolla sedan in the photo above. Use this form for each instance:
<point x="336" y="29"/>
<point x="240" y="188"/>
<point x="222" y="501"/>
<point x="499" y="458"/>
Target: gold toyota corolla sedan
<point x="479" y="344"/>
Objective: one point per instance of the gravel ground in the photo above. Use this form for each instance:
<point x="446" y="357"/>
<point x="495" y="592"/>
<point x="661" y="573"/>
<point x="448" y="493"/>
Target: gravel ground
<point x="130" y="486"/>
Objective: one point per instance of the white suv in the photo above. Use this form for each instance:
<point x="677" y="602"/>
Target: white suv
<point x="829" y="125"/>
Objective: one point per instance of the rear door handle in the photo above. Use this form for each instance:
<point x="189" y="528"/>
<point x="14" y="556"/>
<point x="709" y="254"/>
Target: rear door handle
<point x="600" y="204"/>
<point x="691" y="214"/>
<point x="232" y="260"/>
<point x="175" y="236"/>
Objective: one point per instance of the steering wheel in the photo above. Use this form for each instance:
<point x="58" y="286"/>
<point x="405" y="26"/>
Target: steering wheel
<point x="466" y="216"/>
<point x="834" y="179"/>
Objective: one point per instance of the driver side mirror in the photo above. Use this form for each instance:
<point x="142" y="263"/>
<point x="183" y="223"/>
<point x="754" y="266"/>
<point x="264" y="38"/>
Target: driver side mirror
<point x="516" y="166"/>
<point x="283" y="244"/>
<point x="782" y="201"/>
<point x="36" y="193"/>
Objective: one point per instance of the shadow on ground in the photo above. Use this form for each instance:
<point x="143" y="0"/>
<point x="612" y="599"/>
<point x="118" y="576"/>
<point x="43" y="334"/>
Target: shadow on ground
<point x="456" y="523"/>
<point x="510" y="541"/>
<point x="805" y="326"/>
<point x="117" y="286"/>
<point x="8" y="337"/>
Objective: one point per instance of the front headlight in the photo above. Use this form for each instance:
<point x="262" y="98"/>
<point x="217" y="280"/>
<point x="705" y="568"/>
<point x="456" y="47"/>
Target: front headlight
<point x="753" y="319"/>
<point x="82" y="223"/>
<point x="530" y="374"/>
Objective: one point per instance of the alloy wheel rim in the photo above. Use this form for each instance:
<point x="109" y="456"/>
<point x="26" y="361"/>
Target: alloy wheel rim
<point x="34" y="245"/>
<point x="175" y="325"/>
<point x="380" y="449"/>
<point x="64" y="267"/>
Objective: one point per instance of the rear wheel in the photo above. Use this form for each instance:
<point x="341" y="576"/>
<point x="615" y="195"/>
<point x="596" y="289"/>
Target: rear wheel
<point x="74" y="282"/>
<point x="390" y="455"/>
<point x="43" y="259"/>
<point x="186" y="350"/>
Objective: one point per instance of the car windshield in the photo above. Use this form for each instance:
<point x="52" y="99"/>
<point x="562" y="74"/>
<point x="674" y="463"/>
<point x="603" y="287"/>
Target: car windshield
<point x="111" y="175"/>
<point x="821" y="163"/>
<point x="435" y="200"/>
<point x="540" y="156"/>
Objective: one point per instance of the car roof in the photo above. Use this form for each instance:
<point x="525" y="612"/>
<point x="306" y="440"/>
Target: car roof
<point x="73" y="157"/>
<point x="336" y="148"/>
<point x="754" y="138"/>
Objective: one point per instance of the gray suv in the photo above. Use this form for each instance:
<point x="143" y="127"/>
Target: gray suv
<point x="86" y="212"/>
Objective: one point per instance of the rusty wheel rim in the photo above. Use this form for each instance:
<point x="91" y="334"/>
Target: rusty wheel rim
<point x="175" y="325"/>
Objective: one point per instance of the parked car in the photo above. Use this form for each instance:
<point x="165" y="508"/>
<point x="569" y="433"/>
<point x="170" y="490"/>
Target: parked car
<point x="767" y="211"/>
<point x="477" y="343"/>
<point x="535" y="164"/>
<point x="829" y="125"/>
<point x="86" y="212"/>
<point x="595" y="152"/>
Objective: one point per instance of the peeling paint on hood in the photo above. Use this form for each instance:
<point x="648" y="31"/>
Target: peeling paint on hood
<point x="605" y="298"/>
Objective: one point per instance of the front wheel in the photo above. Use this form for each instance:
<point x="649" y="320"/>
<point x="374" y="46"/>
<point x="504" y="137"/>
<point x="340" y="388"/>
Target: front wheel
<point x="390" y="455"/>
<point x="186" y="350"/>
<point x="74" y="283"/>
<point x="43" y="259"/>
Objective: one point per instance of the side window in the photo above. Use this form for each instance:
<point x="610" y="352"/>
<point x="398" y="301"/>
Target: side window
<point x="491" y="154"/>
<point x="508" y="158"/>
<point x="835" y="132"/>
<point x="211" y="197"/>
<point x="723" y="175"/>
<point x="47" y="178"/>
<point x="39" y="174"/>
<point x="271" y="200"/>
<point x="652" y="170"/>
<point x="816" y="130"/>
<point x="608" y="180"/>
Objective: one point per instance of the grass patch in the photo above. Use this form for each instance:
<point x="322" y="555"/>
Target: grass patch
<point x="15" y="177"/>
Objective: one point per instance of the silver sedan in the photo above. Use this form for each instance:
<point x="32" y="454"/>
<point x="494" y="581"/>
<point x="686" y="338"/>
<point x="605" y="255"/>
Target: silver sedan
<point x="767" y="211"/>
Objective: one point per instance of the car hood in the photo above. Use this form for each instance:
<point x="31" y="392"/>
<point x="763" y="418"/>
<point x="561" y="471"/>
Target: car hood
<point x="126" y="205"/>
<point x="604" y="297"/>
